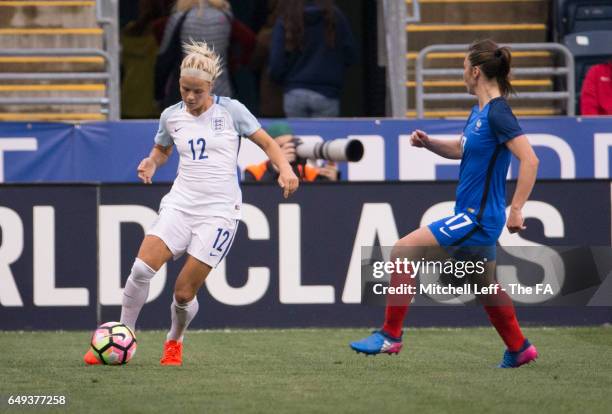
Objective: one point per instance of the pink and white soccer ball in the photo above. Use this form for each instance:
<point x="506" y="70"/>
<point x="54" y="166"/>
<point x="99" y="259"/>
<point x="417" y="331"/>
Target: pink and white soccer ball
<point x="113" y="343"/>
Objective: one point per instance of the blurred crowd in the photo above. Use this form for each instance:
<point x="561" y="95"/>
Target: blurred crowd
<point x="281" y="58"/>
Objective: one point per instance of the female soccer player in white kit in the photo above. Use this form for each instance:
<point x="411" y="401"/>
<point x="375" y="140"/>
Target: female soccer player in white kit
<point x="200" y="214"/>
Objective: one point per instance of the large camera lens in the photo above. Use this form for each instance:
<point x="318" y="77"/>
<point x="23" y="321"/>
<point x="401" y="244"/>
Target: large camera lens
<point x="341" y="149"/>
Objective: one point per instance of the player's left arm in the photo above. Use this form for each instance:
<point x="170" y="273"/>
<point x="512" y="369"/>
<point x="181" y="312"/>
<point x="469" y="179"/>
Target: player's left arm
<point x="528" y="170"/>
<point x="286" y="179"/>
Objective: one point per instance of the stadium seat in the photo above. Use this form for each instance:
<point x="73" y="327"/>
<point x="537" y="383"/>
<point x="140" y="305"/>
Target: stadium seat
<point x="573" y="16"/>
<point x="590" y="44"/>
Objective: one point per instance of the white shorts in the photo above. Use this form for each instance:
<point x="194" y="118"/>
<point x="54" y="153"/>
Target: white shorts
<point x="208" y="239"/>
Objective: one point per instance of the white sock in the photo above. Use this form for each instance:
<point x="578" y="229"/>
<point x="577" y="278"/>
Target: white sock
<point x="136" y="292"/>
<point x="182" y="315"/>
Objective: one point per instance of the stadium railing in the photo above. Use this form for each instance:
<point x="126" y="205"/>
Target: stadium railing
<point x="567" y="70"/>
<point x="394" y="20"/>
<point x="109" y="104"/>
<point x="458" y="22"/>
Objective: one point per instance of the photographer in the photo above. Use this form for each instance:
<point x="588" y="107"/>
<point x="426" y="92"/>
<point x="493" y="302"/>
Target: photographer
<point x="267" y="172"/>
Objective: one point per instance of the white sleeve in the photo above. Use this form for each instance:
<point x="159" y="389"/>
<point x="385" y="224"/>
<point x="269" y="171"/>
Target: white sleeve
<point x="244" y="121"/>
<point x="163" y="137"/>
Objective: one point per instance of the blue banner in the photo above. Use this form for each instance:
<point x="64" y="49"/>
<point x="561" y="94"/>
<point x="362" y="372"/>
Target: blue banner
<point x="110" y="152"/>
<point x="293" y="263"/>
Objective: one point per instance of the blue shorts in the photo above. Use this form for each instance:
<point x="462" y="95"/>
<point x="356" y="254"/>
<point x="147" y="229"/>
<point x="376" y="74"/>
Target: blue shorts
<point x="465" y="236"/>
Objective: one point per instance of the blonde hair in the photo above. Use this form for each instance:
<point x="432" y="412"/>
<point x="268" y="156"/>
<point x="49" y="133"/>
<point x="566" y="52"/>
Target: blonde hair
<point x="184" y="5"/>
<point x="201" y="57"/>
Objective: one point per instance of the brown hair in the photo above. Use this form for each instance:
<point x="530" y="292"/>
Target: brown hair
<point x="494" y="62"/>
<point x="292" y="13"/>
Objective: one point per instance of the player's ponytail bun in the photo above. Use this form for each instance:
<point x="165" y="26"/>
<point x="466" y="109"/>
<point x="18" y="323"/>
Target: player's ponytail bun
<point x="201" y="61"/>
<point x="494" y="62"/>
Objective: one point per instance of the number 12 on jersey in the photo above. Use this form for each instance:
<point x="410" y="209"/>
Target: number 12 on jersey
<point x="201" y="143"/>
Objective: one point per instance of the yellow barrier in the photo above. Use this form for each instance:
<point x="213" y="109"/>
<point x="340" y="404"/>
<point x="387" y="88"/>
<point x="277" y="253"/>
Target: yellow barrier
<point x="455" y="114"/>
<point x="52" y="31"/>
<point x="51" y="59"/>
<point x="49" y="116"/>
<point x="473" y="27"/>
<point x="49" y="3"/>
<point x="56" y="87"/>
<point x="456" y="55"/>
<point x="443" y="84"/>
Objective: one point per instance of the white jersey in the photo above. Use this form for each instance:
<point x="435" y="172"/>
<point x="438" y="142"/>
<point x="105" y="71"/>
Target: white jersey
<point x="207" y="178"/>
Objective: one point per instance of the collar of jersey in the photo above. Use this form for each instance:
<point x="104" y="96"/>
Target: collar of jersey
<point x="479" y="111"/>
<point x="215" y="99"/>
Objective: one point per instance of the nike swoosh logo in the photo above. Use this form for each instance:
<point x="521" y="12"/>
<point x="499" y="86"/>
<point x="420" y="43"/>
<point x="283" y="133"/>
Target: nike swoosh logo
<point x="444" y="231"/>
<point x="178" y="129"/>
<point x="213" y="255"/>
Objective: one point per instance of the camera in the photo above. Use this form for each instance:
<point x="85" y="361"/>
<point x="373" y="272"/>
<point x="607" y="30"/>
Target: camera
<point x="341" y="149"/>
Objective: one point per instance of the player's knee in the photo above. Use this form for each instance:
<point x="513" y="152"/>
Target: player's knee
<point x="151" y="261"/>
<point x="183" y="296"/>
<point x="142" y="272"/>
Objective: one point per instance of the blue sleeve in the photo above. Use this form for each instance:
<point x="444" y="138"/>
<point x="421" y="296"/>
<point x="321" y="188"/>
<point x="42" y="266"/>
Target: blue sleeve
<point x="163" y="137"/>
<point x="245" y="122"/>
<point x="277" y="61"/>
<point x="502" y="122"/>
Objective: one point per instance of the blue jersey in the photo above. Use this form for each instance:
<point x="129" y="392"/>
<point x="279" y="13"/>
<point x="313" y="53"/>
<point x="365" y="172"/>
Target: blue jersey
<point x="484" y="165"/>
<point x="480" y="210"/>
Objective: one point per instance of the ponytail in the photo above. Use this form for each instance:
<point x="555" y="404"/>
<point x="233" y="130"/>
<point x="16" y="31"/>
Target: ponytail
<point x="494" y="62"/>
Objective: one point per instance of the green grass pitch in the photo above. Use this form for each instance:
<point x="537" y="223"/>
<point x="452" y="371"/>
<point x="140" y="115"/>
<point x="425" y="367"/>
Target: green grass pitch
<point x="313" y="370"/>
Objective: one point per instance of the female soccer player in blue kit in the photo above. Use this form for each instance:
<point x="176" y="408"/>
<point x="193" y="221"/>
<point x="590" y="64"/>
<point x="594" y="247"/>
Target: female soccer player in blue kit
<point x="490" y="136"/>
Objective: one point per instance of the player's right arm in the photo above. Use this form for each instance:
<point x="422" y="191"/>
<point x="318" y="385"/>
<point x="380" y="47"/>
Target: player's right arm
<point x="447" y="148"/>
<point x="159" y="156"/>
<point x="160" y="153"/>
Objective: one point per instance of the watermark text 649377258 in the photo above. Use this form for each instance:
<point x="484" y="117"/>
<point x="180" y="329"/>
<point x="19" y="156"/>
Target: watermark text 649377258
<point x="24" y="400"/>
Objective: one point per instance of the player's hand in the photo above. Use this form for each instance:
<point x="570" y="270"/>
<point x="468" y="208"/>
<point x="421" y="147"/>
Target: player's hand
<point x="329" y="171"/>
<point x="515" y="221"/>
<point x="288" y="182"/>
<point x="419" y="139"/>
<point x="146" y="170"/>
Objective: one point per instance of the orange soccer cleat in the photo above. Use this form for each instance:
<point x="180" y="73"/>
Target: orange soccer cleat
<point x="90" y="358"/>
<point x="173" y="353"/>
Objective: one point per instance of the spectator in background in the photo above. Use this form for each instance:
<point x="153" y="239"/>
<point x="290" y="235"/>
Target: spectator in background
<point x="270" y="93"/>
<point x="139" y="48"/>
<point x="596" y="94"/>
<point x="159" y="25"/>
<point x="207" y="21"/>
<point x="312" y="45"/>
<point x="252" y="12"/>
<point x="267" y="172"/>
